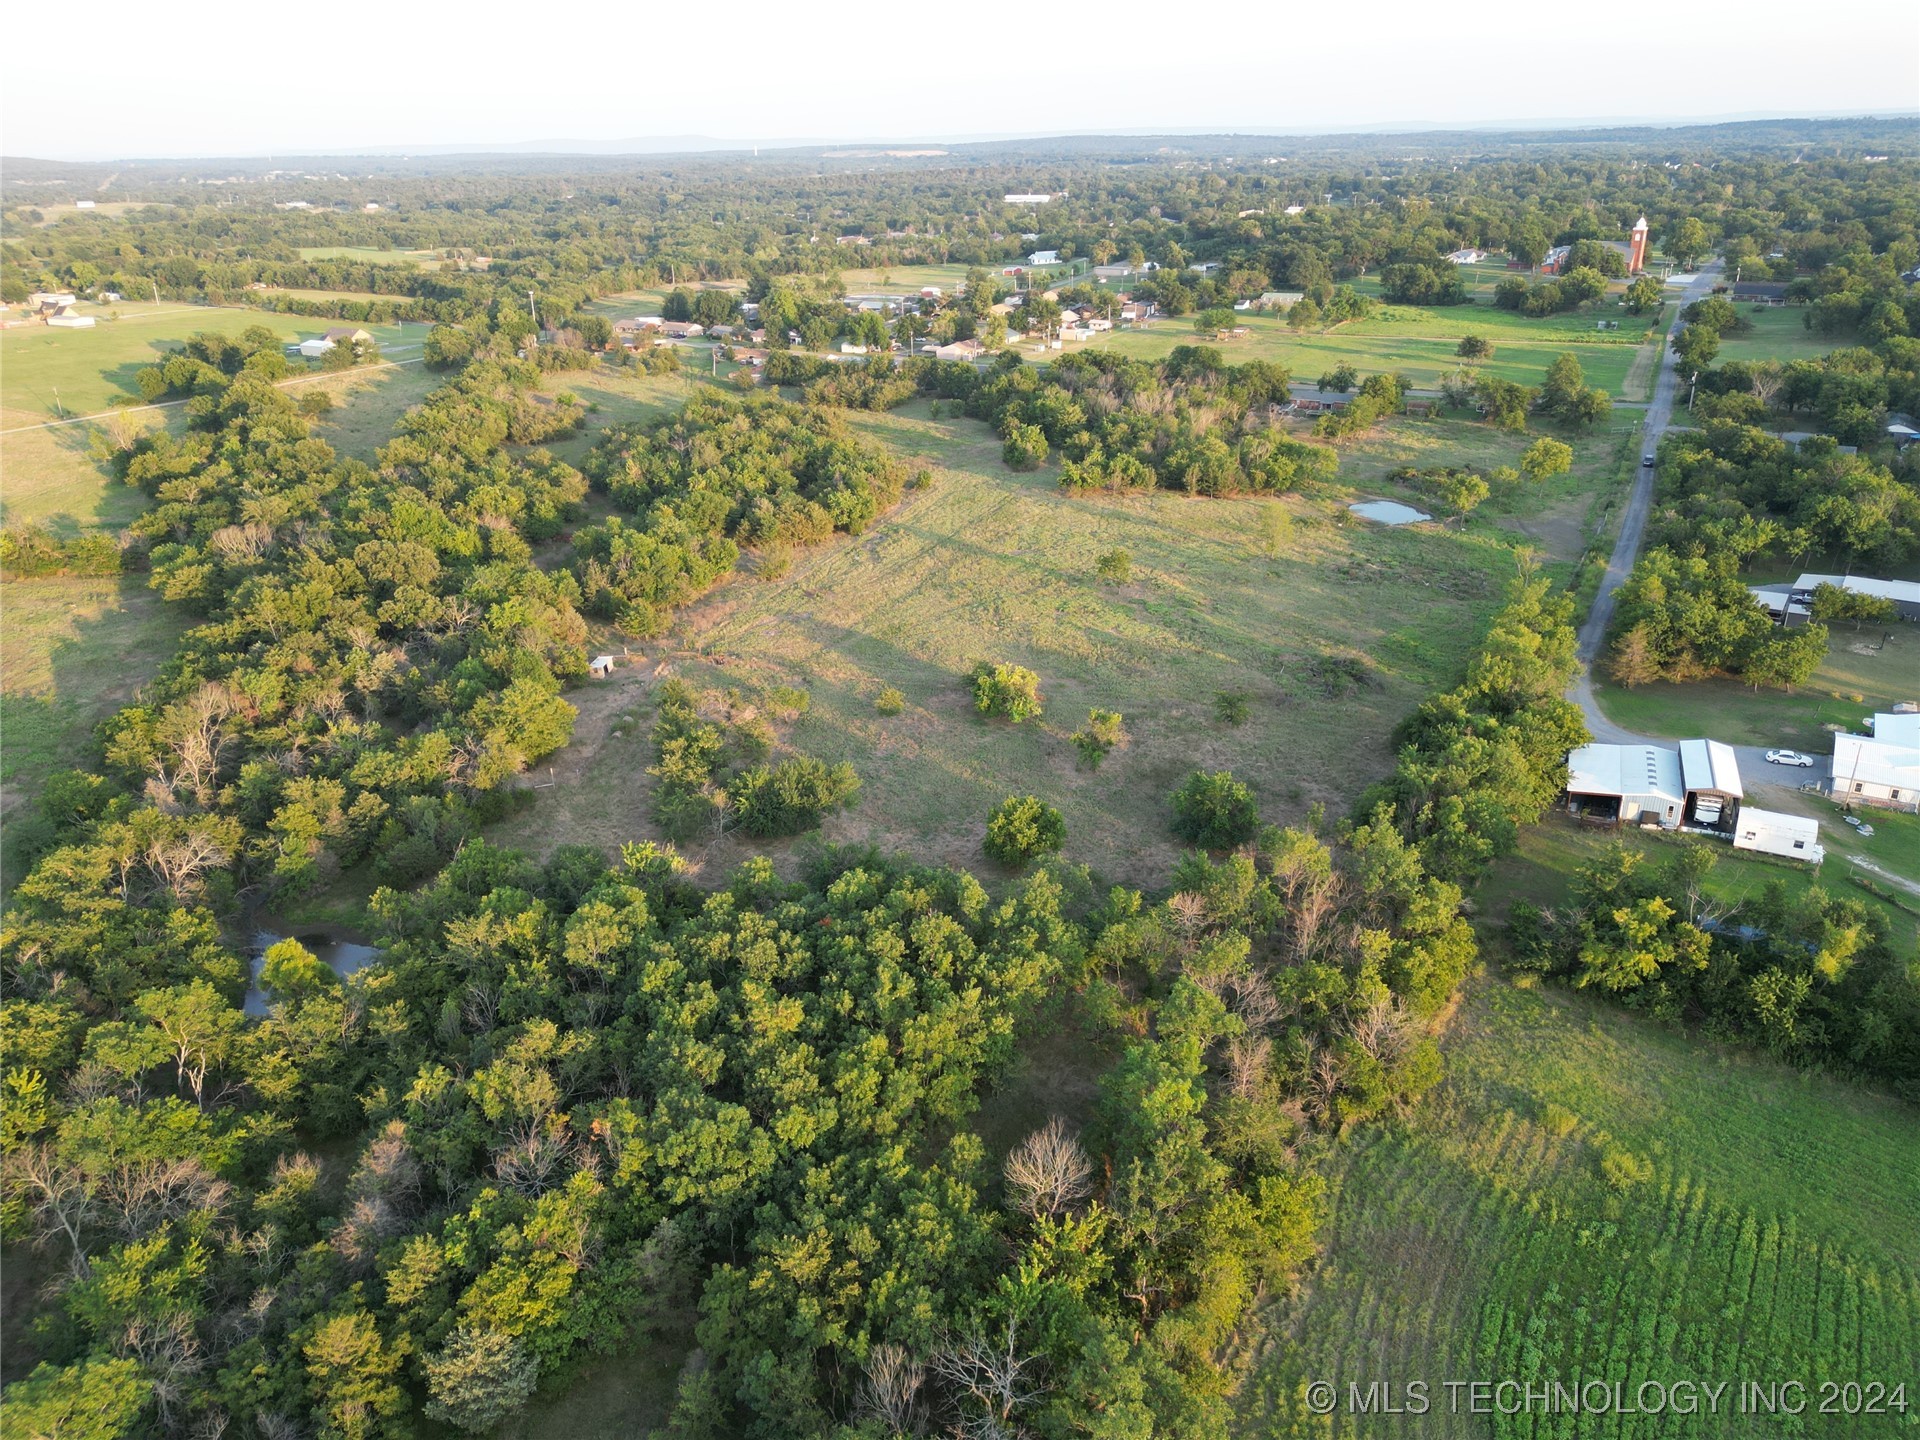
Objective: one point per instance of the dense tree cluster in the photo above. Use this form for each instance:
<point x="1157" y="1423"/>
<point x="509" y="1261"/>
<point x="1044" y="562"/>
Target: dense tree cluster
<point x="1729" y="495"/>
<point x="1815" y="979"/>
<point x="721" y="475"/>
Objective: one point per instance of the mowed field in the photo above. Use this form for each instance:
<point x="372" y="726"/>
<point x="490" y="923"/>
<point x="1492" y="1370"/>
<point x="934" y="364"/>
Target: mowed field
<point x="372" y="255"/>
<point x="94" y="369"/>
<point x="1419" y="342"/>
<point x="1777" y="1239"/>
<point x="986" y="564"/>
<point x="1869" y="669"/>
<point x="1777" y="332"/>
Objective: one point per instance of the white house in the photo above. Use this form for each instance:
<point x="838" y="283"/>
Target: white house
<point x="318" y="346"/>
<point x="1879" y="769"/>
<point x="1044" y="257"/>
<point x="1467" y="257"/>
<point x="1772" y="833"/>
<point x="960" y="350"/>
<point x="1024" y="198"/>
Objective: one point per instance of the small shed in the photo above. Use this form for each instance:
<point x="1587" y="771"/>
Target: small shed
<point x="1797" y="837"/>
<point x="600" y="666"/>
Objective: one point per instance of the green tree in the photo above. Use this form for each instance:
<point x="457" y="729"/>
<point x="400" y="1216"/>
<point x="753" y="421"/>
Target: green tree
<point x="100" y="1399"/>
<point x="1010" y="692"/>
<point x="1103" y="732"/>
<point x="1474" y="347"/>
<point x="1689" y="243"/>
<point x="1546" y="458"/>
<point x="478" y="1378"/>
<point x="1114" y="566"/>
<point x="1644" y="293"/>
<point x="1022" y="828"/>
<point x="1214" y="810"/>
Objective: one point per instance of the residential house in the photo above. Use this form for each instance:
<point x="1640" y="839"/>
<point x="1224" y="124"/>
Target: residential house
<point x="1044" y="257"/>
<point x="1750" y="292"/>
<point x="1468" y="256"/>
<point x="1138" y="312"/>
<point x="1879" y="769"/>
<point x="968" y="350"/>
<point x="1311" y="400"/>
<point x="681" y="329"/>
<point x="1112" y="272"/>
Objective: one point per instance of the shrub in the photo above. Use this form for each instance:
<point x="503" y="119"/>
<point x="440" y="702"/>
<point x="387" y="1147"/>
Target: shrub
<point x="1115" y="566"/>
<point x="1474" y="347"/>
<point x="1214" y="810"/>
<point x="1009" y="691"/>
<point x="790" y="797"/>
<point x="890" y="701"/>
<point x="1022" y="828"/>
<point x="1102" y="732"/>
<point x="1558" y="1120"/>
<point x="1231" y="707"/>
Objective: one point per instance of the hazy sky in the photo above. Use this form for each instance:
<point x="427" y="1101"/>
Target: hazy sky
<point x="235" y="77"/>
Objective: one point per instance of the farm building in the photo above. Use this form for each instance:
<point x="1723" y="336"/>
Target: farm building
<point x="1626" y="784"/>
<point x="1711" y="777"/>
<point x="1112" y="272"/>
<point x="1797" y="837"/>
<point x="1028" y="199"/>
<point x="316" y="347"/>
<point x="1905" y="594"/>
<point x="1696" y="787"/>
<point x="600" y="666"/>
<point x="1879" y="769"/>
<point x="1281" y="299"/>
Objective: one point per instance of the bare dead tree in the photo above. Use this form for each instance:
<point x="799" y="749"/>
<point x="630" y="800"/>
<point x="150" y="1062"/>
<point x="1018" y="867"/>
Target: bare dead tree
<point x="890" y="1391"/>
<point x="1048" y="1173"/>
<point x="1247" y="1060"/>
<point x="57" y="1191"/>
<point x="992" y="1383"/>
<point x="1385" y="1031"/>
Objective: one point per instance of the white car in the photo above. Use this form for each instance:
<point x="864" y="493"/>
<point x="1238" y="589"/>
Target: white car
<point x="1789" y="757"/>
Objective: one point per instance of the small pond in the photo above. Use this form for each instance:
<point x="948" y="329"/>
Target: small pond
<point x="1389" y="512"/>
<point x="340" y="954"/>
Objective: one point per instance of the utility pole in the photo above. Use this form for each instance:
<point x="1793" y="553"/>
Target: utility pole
<point x="532" y="311"/>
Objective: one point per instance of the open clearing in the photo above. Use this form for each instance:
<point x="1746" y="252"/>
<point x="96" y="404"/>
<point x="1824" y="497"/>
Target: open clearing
<point x="1776" y="1239"/>
<point x="1417" y="342"/>
<point x="1865" y="670"/>
<point x="94" y="369"/>
<point x="371" y="255"/>
<point x="986" y="564"/>
<point x="1779" y="333"/>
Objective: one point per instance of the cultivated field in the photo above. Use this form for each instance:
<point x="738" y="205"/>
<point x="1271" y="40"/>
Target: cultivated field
<point x="1775" y="1240"/>
<point x="987" y="564"/>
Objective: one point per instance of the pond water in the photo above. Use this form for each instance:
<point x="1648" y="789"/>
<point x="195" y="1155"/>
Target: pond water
<point x="340" y="954"/>
<point x="1389" y="512"/>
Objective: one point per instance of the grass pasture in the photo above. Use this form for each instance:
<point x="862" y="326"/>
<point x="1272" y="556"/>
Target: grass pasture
<point x="374" y="255"/>
<point x="93" y="370"/>
<point x="1418" y="342"/>
<point x="1778" y="332"/>
<point x="1774" y="1240"/>
<point x="987" y="564"/>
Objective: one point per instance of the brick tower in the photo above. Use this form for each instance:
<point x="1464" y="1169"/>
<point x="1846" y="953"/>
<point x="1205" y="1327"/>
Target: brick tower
<point x="1637" y="247"/>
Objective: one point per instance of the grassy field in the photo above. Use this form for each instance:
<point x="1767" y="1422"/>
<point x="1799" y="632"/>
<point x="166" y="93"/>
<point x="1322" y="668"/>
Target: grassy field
<point x="1417" y="342"/>
<point x="1778" y="333"/>
<point x="987" y="564"/>
<point x="94" y="369"/>
<point x="371" y="255"/>
<point x="1861" y="674"/>
<point x="1775" y="1240"/>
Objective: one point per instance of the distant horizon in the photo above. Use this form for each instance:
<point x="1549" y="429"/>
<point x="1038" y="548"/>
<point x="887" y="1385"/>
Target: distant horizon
<point x="699" y="143"/>
<point x="362" y="78"/>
